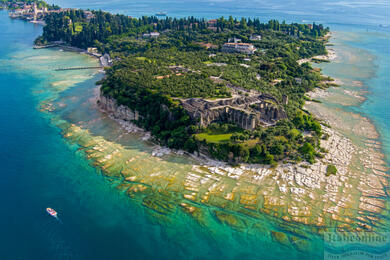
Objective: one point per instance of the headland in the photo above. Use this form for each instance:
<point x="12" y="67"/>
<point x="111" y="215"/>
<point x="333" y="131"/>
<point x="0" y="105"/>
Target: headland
<point x="296" y="185"/>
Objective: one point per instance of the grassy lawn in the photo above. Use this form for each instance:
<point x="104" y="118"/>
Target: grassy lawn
<point x="141" y="58"/>
<point x="145" y="59"/>
<point x="213" y="138"/>
<point x="78" y="28"/>
<point x="251" y="143"/>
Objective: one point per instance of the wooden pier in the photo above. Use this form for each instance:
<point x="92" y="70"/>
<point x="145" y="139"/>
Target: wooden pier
<point x="79" y="68"/>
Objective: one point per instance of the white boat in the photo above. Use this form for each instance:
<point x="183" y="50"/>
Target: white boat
<point x="52" y="212"/>
<point x="161" y="14"/>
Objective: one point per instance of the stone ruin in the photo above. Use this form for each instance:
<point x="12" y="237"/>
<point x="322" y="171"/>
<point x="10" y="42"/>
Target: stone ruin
<point x="248" y="112"/>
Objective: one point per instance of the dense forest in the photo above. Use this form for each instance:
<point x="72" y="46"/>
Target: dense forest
<point x="185" y="60"/>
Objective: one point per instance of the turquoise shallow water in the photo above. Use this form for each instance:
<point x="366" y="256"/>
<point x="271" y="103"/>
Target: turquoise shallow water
<point x="371" y="73"/>
<point x="41" y="169"/>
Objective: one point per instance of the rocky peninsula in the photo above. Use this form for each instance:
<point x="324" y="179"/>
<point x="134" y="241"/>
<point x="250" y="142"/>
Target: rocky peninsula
<point x="300" y="196"/>
<point x="294" y="193"/>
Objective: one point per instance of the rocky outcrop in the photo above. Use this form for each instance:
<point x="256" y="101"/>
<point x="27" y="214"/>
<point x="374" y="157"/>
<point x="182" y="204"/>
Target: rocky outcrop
<point x="246" y="111"/>
<point x="110" y="105"/>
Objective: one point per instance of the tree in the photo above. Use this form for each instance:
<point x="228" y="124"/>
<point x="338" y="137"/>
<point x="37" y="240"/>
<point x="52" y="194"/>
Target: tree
<point x="243" y="153"/>
<point x="307" y="148"/>
<point x="308" y="152"/>
<point x="268" y="158"/>
<point x="190" y="145"/>
<point x="277" y="149"/>
<point x="256" y="151"/>
<point x="316" y="127"/>
<point x="243" y="24"/>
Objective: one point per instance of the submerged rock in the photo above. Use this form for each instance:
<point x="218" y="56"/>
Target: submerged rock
<point x="195" y="212"/>
<point x="159" y="204"/>
<point x="300" y="244"/>
<point x="231" y="220"/>
<point x="280" y="237"/>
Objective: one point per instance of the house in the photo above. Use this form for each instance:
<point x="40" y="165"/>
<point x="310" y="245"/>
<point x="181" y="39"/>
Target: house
<point x="238" y="47"/>
<point x="212" y="25"/>
<point x="151" y="35"/>
<point x="255" y="37"/>
<point x="88" y="15"/>
<point x="20" y="11"/>
<point x="212" y="22"/>
<point x="92" y="50"/>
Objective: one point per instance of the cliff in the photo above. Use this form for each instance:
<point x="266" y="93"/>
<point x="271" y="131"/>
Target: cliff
<point x="122" y="112"/>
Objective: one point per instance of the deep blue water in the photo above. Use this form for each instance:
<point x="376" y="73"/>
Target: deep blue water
<point x="329" y="11"/>
<point x="39" y="169"/>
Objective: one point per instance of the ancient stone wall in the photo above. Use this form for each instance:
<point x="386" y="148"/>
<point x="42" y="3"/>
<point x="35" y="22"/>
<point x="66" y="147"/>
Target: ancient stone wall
<point x="246" y="111"/>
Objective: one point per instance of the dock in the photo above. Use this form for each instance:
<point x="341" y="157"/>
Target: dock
<point x="79" y="68"/>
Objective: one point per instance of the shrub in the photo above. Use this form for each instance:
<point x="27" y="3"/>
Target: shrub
<point x="331" y="169"/>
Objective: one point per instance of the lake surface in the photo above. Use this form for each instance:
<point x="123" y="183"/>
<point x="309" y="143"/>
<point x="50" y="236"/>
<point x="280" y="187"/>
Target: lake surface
<point x="41" y="168"/>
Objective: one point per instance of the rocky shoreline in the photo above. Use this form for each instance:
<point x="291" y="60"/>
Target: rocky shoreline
<point x="320" y="58"/>
<point x="295" y="193"/>
<point x="243" y="196"/>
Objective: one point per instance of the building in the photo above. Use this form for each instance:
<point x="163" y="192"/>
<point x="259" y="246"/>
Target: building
<point x="212" y="22"/>
<point x="231" y="47"/>
<point x="212" y="25"/>
<point x="88" y="15"/>
<point x="38" y="13"/>
<point x="247" y="112"/>
<point x="151" y="35"/>
<point x="255" y="37"/>
<point x="92" y="50"/>
<point x="235" y="40"/>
